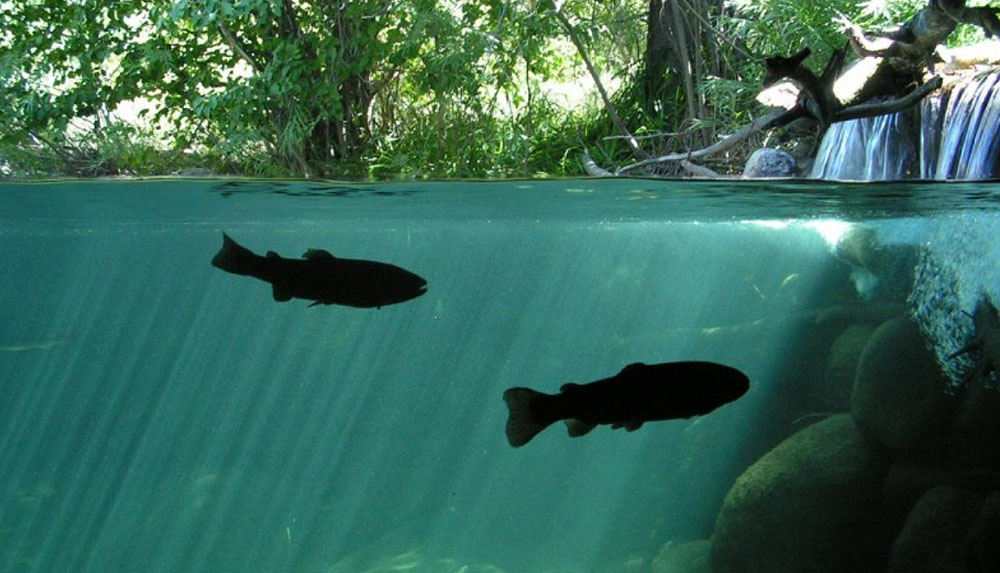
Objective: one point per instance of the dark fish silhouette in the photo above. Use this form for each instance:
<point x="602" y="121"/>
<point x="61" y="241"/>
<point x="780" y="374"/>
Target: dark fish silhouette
<point x="639" y="393"/>
<point x="322" y="277"/>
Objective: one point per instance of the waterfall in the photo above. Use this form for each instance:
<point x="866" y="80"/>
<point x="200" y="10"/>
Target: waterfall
<point x="953" y="136"/>
<point x="969" y="132"/>
<point x="871" y="148"/>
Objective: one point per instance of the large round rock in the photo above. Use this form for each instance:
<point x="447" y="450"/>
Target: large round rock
<point x="933" y="540"/>
<point x="899" y="394"/>
<point x="982" y="548"/>
<point x="976" y="430"/>
<point x="810" y="505"/>
<point x="842" y="364"/>
<point x="768" y="163"/>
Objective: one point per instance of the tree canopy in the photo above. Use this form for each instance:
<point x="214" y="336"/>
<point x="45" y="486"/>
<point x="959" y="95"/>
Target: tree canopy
<point x="385" y="88"/>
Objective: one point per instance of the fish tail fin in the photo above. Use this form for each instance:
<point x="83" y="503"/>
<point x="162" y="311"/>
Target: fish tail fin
<point x="578" y="428"/>
<point x="232" y="257"/>
<point x="526" y="415"/>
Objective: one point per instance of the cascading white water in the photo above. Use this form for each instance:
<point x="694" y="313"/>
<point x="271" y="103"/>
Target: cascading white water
<point x="967" y="148"/>
<point x="871" y="148"/>
<point x="931" y="119"/>
<point x="956" y="138"/>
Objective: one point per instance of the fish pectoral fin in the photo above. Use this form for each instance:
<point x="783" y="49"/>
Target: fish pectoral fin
<point x="967" y="349"/>
<point x="318" y="254"/>
<point x="578" y="428"/>
<point x="280" y="294"/>
<point x="631" y="425"/>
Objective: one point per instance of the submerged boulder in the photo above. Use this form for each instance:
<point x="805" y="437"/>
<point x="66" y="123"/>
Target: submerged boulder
<point x="982" y="548"/>
<point x="767" y="162"/>
<point x="812" y="504"/>
<point x="934" y="535"/>
<point x="908" y="481"/>
<point x="841" y="366"/>
<point x="976" y="430"/>
<point x="899" y="396"/>
<point x="690" y="557"/>
<point x="879" y="271"/>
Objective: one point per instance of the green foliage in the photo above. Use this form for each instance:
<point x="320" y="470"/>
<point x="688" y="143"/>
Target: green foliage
<point x="381" y="88"/>
<point x="118" y="149"/>
<point x="784" y="27"/>
<point x="768" y="27"/>
<point x="311" y="86"/>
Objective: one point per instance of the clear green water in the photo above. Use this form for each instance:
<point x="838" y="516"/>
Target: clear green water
<point x="158" y="414"/>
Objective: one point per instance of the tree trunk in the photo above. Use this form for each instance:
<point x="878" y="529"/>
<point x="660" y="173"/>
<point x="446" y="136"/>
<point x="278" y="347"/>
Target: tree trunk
<point x="680" y="53"/>
<point x="657" y="60"/>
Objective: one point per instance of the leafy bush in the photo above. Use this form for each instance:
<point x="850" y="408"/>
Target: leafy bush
<point x="383" y="88"/>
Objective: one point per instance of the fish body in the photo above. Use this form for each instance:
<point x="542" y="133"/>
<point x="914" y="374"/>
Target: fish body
<point x="321" y="277"/>
<point x="639" y="393"/>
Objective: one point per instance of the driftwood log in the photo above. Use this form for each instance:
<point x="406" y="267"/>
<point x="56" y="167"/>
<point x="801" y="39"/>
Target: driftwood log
<point x="918" y="39"/>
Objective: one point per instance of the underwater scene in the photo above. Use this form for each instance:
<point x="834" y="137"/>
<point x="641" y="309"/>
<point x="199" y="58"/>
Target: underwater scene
<point x="597" y="375"/>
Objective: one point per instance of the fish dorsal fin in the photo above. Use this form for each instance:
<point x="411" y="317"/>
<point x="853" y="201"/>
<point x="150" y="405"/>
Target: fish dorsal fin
<point x="272" y="255"/>
<point x="569" y="387"/>
<point x="578" y="428"/>
<point x="317" y="254"/>
<point x="633" y="368"/>
<point x="281" y="295"/>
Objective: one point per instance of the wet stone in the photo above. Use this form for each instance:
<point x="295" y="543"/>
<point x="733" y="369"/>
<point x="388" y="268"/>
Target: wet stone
<point x="899" y="397"/>
<point x="812" y="504"/>
<point x="767" y="162"/>
<point x="933" y="538"/>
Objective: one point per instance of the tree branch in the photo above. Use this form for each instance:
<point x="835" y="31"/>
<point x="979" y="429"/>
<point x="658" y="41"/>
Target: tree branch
<point x="615" y="118"/>
<point x="917" y="38"/>
<point x="823" y="104"/>
<point x="238" y="48"/>
<point x="775" y="118"/>
<point x="891" y="106"/>
<point x="984" y="17"/>
<point x="778" y="118"/>
<point x="698" y="170"/>
<point x="592" y="168"/>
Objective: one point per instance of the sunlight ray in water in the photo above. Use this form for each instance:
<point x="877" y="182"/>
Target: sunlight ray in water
<point x="830" y="229"/>
<point x="160" y="413"/>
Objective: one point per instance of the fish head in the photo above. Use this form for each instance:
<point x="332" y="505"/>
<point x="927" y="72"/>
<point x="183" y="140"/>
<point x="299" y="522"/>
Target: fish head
<point x="728" y="385"/>
<point x="403" y="286"/>
<point x="414" y="285"/>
